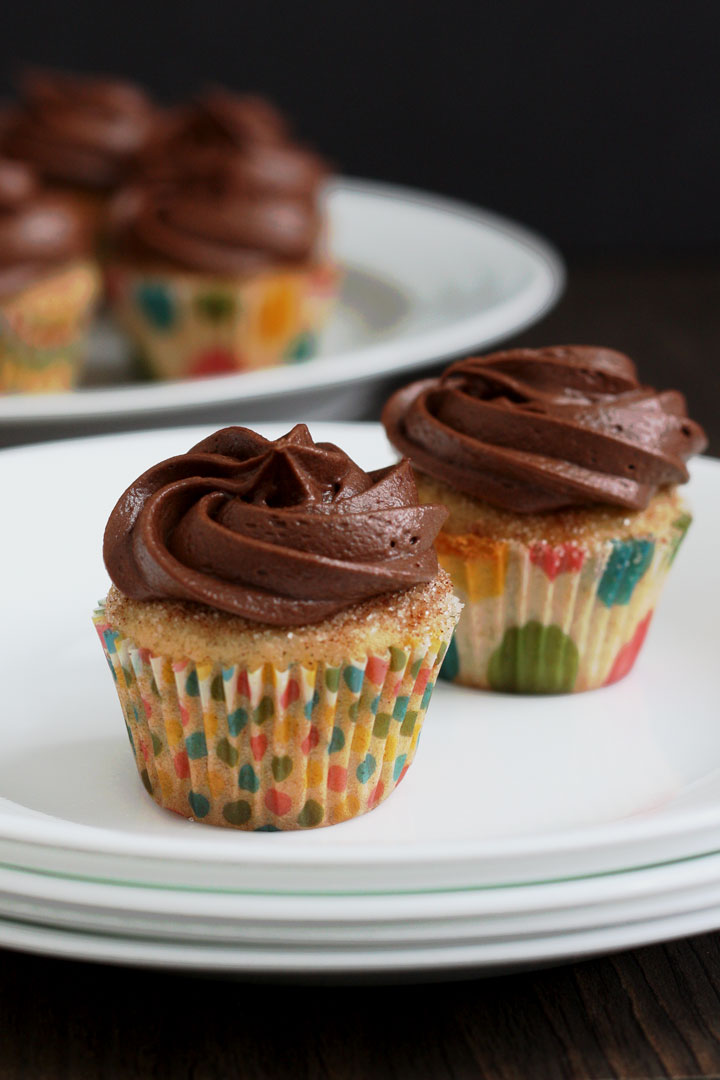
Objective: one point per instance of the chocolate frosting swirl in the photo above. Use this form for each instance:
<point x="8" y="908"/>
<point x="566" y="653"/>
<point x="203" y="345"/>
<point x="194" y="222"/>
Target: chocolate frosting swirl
<point x="79" y="130"/>
<point x="284" y="533"/>
<point x="223" y="190"/>
<point x="38" y="230"/>
<point x="530" y="430"/>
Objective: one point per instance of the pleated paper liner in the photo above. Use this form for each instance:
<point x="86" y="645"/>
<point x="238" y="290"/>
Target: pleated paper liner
<point x="43" y="331"/>
<point x="270" y="749"/>
<point x="540" y="618"/>
<point x="186" y="324"/>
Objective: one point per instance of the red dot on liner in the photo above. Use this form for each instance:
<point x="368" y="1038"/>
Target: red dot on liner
<point x="258" y="745"/>
<point x="376" y="670"/>
<point x="182" y="765"/>
<point x="337" y="778"/>
<point x="290" y="693"/>
<point x="277" y="802"/>
<point x="243" y="684"/>
<point x="310" y="741"/>
<point x="627" y="655"/>
<point x="377" y="793"/>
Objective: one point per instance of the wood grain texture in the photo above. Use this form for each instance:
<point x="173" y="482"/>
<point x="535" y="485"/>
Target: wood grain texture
<point x="654" y="1012"/>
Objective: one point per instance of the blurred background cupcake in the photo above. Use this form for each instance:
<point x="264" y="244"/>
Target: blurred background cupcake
<point x="220" y="256"/>
<point x="48" y="284"/>
<point x="80" y="132"/>
<point x="560" y="472"/>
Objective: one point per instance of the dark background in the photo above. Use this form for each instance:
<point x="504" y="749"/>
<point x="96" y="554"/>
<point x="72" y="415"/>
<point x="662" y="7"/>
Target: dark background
<point x="595" y="123"/>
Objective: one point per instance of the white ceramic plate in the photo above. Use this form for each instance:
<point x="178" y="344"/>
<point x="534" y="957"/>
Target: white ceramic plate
<point x="441" y="959"/>
<point x="352" y="922"/>
<point x="427" y="278"/>
<point x="541" y="788"/>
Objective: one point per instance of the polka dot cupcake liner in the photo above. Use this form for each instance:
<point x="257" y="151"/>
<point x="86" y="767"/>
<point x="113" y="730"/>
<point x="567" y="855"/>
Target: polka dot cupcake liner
<point x="186" y="325"/>
<point x="43" y="331"/>
<point x="269" y="749"/>
<point x="541" y="619"/>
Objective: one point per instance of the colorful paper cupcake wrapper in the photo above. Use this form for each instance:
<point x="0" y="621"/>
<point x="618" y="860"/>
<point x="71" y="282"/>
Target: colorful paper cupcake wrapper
<point x="43" y="331"/>
<point x="187" y="324"/>
<point x="269" y="749"/>
<point x="553" y="619"/>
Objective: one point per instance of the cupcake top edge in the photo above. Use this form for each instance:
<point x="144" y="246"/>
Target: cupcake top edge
<point x="39" y="230"/>
<point x="536" y="430"/>
<point x="81" y="130"/>
<point x="285" y="532"/>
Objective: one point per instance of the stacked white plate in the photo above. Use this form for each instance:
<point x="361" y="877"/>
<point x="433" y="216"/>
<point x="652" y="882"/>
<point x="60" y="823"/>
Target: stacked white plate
<point x="528" y="829"/>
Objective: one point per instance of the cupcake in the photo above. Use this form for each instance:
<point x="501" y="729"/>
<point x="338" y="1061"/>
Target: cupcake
<point x="81" y="133"/>
<point x="275" y="627"/>
<point x="48" y="284"/>
<point x="221" y="252"/>
<point x="560" y="473"/>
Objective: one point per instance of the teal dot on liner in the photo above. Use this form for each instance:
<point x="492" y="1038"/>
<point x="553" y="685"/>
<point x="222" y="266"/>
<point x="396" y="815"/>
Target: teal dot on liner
<point x="353" y="677"/>
<point x="132" y="741"/>
<point x="337" y="740"/>
<point x="199" y="805"/>
<point x="427" y="695"/>
<point x="267" y="828"/>
<point x="400" y="707"/>
<point x="192" y="686"/>
<point x="196" y="745"/>
<point x="451" y="663"/>
<point x="311" y="705"/>
<point x="156" y="303"/>
<point x="302" y="347"/>
<point x="399" y="766"/>
<point x="247" y="779"/>
<point x="110" y="637"/>
<point x="114" y="672"/>
<point x="227" y="673"/>
<point x="627" y="563"/>
<point x="366" y="768"/>
<point x="237" y="720"/>
<point x="375" y="704"/>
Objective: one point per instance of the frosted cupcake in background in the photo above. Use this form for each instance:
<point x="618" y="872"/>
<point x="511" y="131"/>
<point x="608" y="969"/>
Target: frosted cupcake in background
<point x="81" y="133"/>
<point x="48" y="284"/>
<point x="560" y="474"/>
<point x="221" y="253"/>
<point x="274" y="630"/>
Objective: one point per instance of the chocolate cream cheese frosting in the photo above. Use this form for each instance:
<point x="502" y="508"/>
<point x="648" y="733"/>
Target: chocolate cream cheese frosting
<point x="283" y="533"/>
<point x="532" y="430"/>
<point x="39" y="231"/>
<point x="223" y="190"/>
<point x="78" y="130"/>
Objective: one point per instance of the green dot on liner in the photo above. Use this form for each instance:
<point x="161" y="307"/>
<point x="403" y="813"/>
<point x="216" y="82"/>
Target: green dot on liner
<point x="311" y="814"/>
<point x="215" y="306"/>
<point x="534" y="659"/>
<point x="226" y="752"/>
<point x="332" y="679"/>
<point x="237" y="813"/>
<point x="282" y="767"/>
<point x="217" y="689"/>
<point x="264" y="711"/>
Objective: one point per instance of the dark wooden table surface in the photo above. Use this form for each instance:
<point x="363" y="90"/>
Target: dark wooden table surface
<point x="652" y="1012"/>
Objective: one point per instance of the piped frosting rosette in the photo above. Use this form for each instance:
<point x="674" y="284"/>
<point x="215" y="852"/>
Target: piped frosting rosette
<point x="559" y="469"/>
<point x="275" y="630"/>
